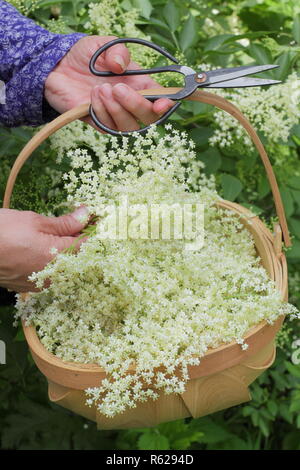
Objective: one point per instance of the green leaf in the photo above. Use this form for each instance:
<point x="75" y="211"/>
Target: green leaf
<point x="261" y="54"/>
<point x="201" y="134"/>
<point x="296" y="196"/>
<point x="228" y="164"/>
<point x="171" y="15"/>
<point x="9" y="147"/>
<point x="24" y="423"/>
<point x="295" y="406"/>
<point x="296" y="28"/>
<point x="296" y="139"/>
<point x="255" y="417"/>
<point x="212" y="431"/>
<point x="126" y="5"/>
<point x="266" y="414"/>
<point x="189" y="33"/>
<point x="20" y="335"/>
<point x="212" y="160"/>
<point x="186" y="439"/>
<point x="263" y="187"/>
<point x="152" y="440"/>
<point x="231" y="186"/>
<point x="287" y="200"/>
<point x="144" y="6"/>
<point x="158" y="23"/>
<point x="250" y="35"/>
<point x="294" y="182"/>
<point x="247" y="410"/>
<point x="284" y="61"/>
<point x="293" y="369"/>
<point x="295" y="226"/>
<point x="216" y="41"/>
<point x="296" y="130"/>
<point x="272" y="407"/>
<point x="263" y="425"/>
<point x="180" y="434"/>
<point x="201" y="108"/>
<point x="294" y="253"/>
<point x="162" y="41"/>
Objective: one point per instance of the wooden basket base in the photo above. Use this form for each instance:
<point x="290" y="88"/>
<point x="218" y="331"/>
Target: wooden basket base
<point x="203" y="396"/>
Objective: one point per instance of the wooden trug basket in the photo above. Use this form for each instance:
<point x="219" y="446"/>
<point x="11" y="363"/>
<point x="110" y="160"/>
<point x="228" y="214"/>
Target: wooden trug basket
<point x="222" y="378"/>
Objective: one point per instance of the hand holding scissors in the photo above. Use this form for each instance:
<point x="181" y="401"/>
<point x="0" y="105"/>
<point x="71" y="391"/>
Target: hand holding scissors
<point x="235" y="77"/>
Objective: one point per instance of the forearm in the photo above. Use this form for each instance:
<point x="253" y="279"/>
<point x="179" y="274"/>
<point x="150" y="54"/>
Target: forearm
<point x="28" y="53"/>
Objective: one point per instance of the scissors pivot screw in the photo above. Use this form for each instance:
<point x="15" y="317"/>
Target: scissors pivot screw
<point x="200" y="77"/>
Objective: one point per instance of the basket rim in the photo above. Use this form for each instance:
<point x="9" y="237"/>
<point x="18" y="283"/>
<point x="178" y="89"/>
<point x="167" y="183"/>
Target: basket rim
<point x="228" y="353"/>
<point x="37" y="347"/>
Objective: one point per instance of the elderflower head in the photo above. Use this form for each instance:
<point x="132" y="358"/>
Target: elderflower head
<point x="108" y="17"/>
<point x="273" y="112"/>
<point x="78" y="133"/>
<point x="148" y="302"/>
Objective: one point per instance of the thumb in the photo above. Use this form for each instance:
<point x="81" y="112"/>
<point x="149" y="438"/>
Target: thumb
<point x="69" y="224"/>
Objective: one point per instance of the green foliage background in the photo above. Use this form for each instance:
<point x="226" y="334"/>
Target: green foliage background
<point x="272" y="419"/>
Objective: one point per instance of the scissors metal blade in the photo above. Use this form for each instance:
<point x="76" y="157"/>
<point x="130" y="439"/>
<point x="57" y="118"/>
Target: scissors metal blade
<point x="243" y="82"/>
<point x="222" y="75"/>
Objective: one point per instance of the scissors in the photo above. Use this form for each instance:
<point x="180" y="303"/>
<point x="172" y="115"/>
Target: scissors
<point x="221" y="78"/>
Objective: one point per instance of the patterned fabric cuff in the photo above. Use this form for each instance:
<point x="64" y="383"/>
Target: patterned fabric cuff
<point x="25" y="103"/>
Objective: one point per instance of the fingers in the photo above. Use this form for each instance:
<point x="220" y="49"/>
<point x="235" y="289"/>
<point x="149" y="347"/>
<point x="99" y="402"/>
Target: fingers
<point x="133" y="102"/>
<point x="162" y="105"/>
<point x="100" y="109"/>
<point x="119" y="107"/>
<point x="113" y="112"/>
<point x="26" y="239"/>
<point x="143" y="109"/>
<point x="117" y="58"/>
<point x="66" y="225"/>
<point x="114" y="59"/>
<point x="63" y="243"/>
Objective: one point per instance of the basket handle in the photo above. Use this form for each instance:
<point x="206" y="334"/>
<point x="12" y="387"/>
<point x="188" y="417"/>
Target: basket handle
<point x="199" y="95"/>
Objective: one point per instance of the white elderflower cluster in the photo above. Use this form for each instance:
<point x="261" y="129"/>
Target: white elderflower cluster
<point x="78" y="133"/>
<point x="108" y="17"/>
<point x="272" y="111"/>
<point x="146" y="304"/>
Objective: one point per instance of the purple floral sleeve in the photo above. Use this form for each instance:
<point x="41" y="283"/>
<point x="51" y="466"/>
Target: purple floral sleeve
<point x="28" y="53"/>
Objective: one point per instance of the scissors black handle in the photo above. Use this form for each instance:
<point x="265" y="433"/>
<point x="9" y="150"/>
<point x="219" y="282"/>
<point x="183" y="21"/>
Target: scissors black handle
<point x="234" y="77"/>
<point x="142" y="42"/>
<point x="167" y="68"/>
